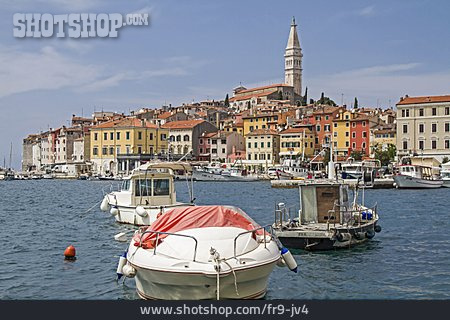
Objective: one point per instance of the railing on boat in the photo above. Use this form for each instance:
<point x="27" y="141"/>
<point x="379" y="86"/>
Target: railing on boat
<point x="170" y="234"/>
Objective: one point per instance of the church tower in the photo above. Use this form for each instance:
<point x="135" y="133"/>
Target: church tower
<point x="293" y="61"/>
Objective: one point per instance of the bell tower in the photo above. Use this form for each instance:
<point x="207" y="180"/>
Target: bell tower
<point x="293" y="60"/>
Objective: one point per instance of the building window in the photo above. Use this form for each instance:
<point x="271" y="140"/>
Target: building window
<point x="223" y="141"/>
<point x="335" y="134"/>
<point x="363" y="145"/>
<point x="111" y="150"/>
<point x="139" y="135"/>
<point x="127" y="135"/>
<point x="249" y="145"/>
<point x="353" y="135"/>
<point x="447" y="111"/>
<point x="249" y="157"/>
<point x="405" y="128"/>
<point x="118" y="136"/>
<point x="326" y="117"/>
<point x="447" y="144"/>
<point x="178" y="137"/>
<point x="111" y="136"/>
<point x="364" y="134"/>
<point x="105" y="135"/>
<point x="421" y="112"/>
<point x="318" y="128"/>
<point x="186" y="137"/>
<point x="347" y="124"/>
<point x="268" y="156"/>
<point x="268" y="144"/>
<point x="163" y="137"/>
<point x="353" y="124"/>
<point x="421" y="128"/>
<point x="447" y="127"/>
<point x="433" y="111"/>
<point x="262" y="144"/>
<point x="128" y="149"/>
<point x="420" y="144"/>
<point x="405" y="145"/>
<point x="95" y="151"/>
<point x="251" y="128"/>
<point x="118" y="150"/>
<point x="96" y="136"/>
<point x="403" y="113"/>
<point x="214" y="151"/>
<point x="335" y="124"/>
<point x="347" y="144"/>
<point x="104" y="151"/>
<point x="139" y="149"/>
<point x="354" y="145"/>
<point x="327" y="128"/>
<point x="151" y="136"/>
<point x="223" y="150"/>
<point x="433" y="127"/>
<point x="407" y="112"/>
<point x="347" y="133"/>
<point x="335" y="144"/>
<point x="433" y="144"/>
<point x="256" y="144"/>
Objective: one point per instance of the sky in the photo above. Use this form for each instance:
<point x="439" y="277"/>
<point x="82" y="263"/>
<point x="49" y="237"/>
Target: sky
<point x="376" y="51"/>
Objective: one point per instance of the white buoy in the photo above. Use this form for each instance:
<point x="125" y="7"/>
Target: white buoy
<point x="114" y="211"/>
<point x="140" y="210"/>
<point x="289" y="259"/>
<point x="105" y="204"/>
<point x="122" y="262"/>
<point x="128" y="271"/>
<point x="122" y="237"/>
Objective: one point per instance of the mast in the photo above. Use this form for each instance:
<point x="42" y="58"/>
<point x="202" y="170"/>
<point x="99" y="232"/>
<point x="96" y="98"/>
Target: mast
<point x="10" y="156"/>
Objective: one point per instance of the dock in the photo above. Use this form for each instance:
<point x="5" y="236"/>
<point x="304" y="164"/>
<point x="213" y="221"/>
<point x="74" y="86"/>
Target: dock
<point x="385" y="183"/>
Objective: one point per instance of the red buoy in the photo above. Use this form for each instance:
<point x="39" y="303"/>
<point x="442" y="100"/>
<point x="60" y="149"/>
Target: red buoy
<point x="69" y="253"/>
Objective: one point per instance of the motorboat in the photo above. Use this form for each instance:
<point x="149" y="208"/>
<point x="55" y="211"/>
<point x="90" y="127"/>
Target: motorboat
<point x="203" y="252"/>
<point x="417" y="176"/>
<point x="356" y="170"/>
<point x="295" y="168"/>
<point x="232" y="174"/>
<point x="445" y="174"/>
<point x="278" y="172"/>
<point x="148" y="192"/>
<point x="327" y="218"/>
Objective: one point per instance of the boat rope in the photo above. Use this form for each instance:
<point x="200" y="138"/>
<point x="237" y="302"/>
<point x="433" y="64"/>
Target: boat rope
<point x="96" y="204"/>
<point x="218" y="260"/>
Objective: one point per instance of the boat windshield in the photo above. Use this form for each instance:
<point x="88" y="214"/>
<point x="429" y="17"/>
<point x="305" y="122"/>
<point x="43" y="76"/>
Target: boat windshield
<point x="143" y="187"/>
<point x="125" y="185"/>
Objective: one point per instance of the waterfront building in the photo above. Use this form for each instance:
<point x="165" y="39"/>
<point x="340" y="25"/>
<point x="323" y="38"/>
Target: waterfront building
<point x="262" y="149"/>
<point x="322" y="119"/>
<point x="121" y="145"/>
<point x="423" y="126"/>
<point x="383" y="137"/>
<point x="218" y="146"/>
<point x="263" y="121"/>
<point x="341" y="133"/>
<point x="297" y="143"/>
<point x="184" y="136"/>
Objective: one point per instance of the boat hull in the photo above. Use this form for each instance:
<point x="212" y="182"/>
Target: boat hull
<point x="408" y="182"/>
<point x="446" y="183"/>
<point x="207" y="176"/>
<point x="157" y="284"/>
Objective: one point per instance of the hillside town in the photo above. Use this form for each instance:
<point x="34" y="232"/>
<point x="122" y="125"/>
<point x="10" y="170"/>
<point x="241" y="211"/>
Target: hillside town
<point x="255" y="128"/>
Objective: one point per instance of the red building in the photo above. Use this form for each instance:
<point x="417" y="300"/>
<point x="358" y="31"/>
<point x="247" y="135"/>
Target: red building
<point x="322" y="119"/>
<point x="359" y="134"/>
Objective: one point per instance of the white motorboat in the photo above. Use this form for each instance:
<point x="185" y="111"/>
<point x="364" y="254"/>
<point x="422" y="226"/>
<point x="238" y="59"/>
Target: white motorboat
<point x="225" y="175"/>
<point x="148" y="192"/>
<point x="356" y="170"/>
<point x="203" y="252"/>
<point x="327" y="218"/>
<point x="445" y="174"/>
<point x="278" y="172"/>
<point x="295" y="168"/>
<point x="416" y="176"/>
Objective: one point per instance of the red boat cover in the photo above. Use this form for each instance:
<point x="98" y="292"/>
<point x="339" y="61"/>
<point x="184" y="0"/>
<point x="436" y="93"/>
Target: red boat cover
<point x="185" y="218"/>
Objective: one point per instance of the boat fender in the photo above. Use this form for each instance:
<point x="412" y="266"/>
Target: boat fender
<point x="370" y="234"/>
<point x="122" y="262"/>
<point x="105" y="204"/>
<point x="140" y="210"/>
<point x="114" y="210"/>
<point x="360" y="235"/>
<point x="128" y="271"/>
<point x="289" y="259"/>
<point x="344" y="236"/>
<point x="377" y="228"/>
<point x="281" y="263"/>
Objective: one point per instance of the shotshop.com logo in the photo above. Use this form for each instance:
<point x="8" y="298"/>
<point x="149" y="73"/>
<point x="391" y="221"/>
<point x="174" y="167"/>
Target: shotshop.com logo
<point x="74" y="25"/>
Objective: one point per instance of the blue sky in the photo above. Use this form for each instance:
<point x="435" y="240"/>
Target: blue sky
<point x="196" y="50"/>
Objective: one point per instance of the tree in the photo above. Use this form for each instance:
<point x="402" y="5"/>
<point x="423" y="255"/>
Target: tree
<point x="385" y="156"/>
<point x="280" y="95"/>
<point x="305" y="97"/>
<point x="357" y="155"/>
<point x="227" y="101"/>
<point x="445" y="160"/>
<point x="355" y="105"/>
<point x="322" y="98"/>
<point x="311" y="101"/>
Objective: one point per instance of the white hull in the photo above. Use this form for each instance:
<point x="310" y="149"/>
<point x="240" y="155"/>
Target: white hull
<point x="403" y="181"/>
<point x="446" y="183"/>
<point x="171" y="285"/>
<point x="206" y="176"/>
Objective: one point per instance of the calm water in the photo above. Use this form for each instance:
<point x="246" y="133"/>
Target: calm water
<point x="409" y="259"/>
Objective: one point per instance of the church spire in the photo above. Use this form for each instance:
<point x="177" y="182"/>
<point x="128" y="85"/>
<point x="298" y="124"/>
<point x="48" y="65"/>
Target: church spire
<point x="293" y="61"/>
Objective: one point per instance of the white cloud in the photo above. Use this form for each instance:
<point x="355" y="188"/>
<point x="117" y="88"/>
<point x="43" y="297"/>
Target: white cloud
<point x="367" y="11"/>
<point x="43" y="70"/>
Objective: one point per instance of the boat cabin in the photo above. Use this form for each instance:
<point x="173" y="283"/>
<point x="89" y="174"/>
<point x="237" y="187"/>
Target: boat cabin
<point x="323" y="202"/>
<point x="421" y="172"/>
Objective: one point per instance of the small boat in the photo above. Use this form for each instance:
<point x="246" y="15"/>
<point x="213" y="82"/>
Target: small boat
<point x="147" y="193"/>
<point x="36" y="177"/>
<point x="445" y="174"/>
<point x="416" y="176"/>
<point x="327" y="218"/>
<point x="278" y="172"/>
<point x="355" y="170"/>
<point x="203" y="252"/>
<point x="48" y="176"/>
<point x="225" y="175"/>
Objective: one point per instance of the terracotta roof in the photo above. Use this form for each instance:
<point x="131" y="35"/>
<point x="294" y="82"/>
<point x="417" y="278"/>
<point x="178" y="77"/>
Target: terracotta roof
<point x="208" y="134"/>
<point x="429" y="99"/>
<point x="325" y="109"/>
<point x="164" y="115"/>
<point x="183" y="124"/>
<point x="380" y="131"/>
<point x="265" y="87"/>
<point x="262" y="132"/>
<point x="125" y="122"/>
<point x="294" y="130"/>
<point x="253" y="95"/>
<point x="260" y="115"/>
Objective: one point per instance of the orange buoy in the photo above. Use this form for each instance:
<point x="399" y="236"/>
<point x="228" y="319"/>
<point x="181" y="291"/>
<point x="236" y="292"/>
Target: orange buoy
<point x="69" y="253"/>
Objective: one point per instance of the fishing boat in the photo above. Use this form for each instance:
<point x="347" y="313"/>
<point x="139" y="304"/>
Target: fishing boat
<point x="327" y="218"/>
<point x="203" y="252"/>
<point x="278" y="172"/>
<point x="148" y="192"/>
<point x="355" y="170"/>
<point x="445" y="174"/>
<point x="416" y="176"/>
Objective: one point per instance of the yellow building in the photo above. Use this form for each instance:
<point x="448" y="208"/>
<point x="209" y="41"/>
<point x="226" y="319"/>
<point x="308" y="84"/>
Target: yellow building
<point x="297" y="142"/>
<point x="341" y="132"/>
<point x="118" y="146"/>
<point x="383" y="138"/>
<point x="260" y="121"/>
<point x="262" y="149"/>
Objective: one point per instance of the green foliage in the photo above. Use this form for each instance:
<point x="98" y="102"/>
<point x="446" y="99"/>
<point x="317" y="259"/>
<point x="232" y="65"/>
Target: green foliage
<point x="357" y="155"/>
<point x="385" y="156"/>
<point x="445" y="160"/>
<point x="355" y="105"/>
<point x="325" y="100"/>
